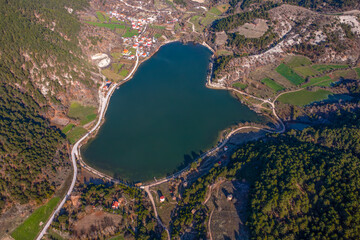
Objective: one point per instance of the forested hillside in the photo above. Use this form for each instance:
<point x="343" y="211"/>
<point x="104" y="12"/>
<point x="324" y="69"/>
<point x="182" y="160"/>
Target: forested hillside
<point x="315" y="4"/>
<point x="39" y="61"/>
<point x="308" y="183"/>
<point x="39" y="48"/>
<point x="303" y="184"/>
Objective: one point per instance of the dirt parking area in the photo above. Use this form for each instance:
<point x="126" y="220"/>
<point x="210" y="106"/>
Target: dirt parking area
<point x="228" y="217"/>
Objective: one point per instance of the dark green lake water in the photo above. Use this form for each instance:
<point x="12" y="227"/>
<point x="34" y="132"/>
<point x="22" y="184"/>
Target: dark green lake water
<point x="158" y="120"/>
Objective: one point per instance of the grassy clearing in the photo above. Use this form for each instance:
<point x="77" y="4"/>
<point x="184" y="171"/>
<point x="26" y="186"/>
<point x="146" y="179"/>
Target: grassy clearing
<point x="322" y="67"/>
<point x="116" y="67"/>
<point x="110" y="26"/>
<point x="100" y="16"/>
<point x="289" y="74"/>
<point x="316" y="80"/>
<point x="31" y="227"/>
<point x="75" y="134"/>
<point x="196" y="21"/>
<point x="109" y="74"/>
<point x="347" y="74"/>
<point x="157" y="35"/>
<point x="208" y="19"/>
<point x="67" y="128"/>
<point x="54" y="236"/>
<point x="306" y="71"/>
<point x="240" y="86"/>
<point x="223" y="7"/>
<point x="272" y="84"/>
<point x="80" y="112"/>
<point x="223" y="53"/>
<point x="130" y="33"/>
<point x="158" y="27"/>
<point x="116" y="55"/>
<point x="304" y="97"/>
<point x="326" y="83"/>
<point x="357" y="70"/>
<point x="124" y="72"/>
<point x="215" y="11"/>
<point x="298" y="61"/>
<point x="88" y="118"/>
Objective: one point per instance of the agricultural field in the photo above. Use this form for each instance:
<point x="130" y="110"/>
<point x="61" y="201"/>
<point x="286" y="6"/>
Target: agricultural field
<point x="304" y="97"/>
<point x="85" y="114"/>
<point x="75" y="134"/>
<point x="31" y="227"/>
<point x="289" y="74"/>
<point x="316" y="81"/>
<point x="272" y="84"/>
<point x="323" y="67"/>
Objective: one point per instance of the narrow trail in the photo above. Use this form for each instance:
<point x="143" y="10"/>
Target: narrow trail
<point x="209" y="224"/>
<point x="147" y="190"/>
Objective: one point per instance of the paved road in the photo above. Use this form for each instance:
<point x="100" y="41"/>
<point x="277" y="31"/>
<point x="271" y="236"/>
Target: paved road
<point x="75" y="150"/>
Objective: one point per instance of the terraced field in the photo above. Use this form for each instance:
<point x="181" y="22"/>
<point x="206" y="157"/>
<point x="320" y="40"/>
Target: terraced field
<point x="289" y="74"/>
<point x="272" y="84"/>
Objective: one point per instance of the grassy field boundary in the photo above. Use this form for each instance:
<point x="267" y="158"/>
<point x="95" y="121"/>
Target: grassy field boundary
<point x="328" y="67"/>
<point x="239" y="85"/>
<point x="111" y="26"/>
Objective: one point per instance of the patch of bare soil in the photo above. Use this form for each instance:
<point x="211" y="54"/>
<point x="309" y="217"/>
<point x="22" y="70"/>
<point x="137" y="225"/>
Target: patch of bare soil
<point x="255" y="29"/>
<point x="13" y="217"/>
<point x="229" y="216"/>
<point x="221" y="38"/>
<point x="96" y="221"/>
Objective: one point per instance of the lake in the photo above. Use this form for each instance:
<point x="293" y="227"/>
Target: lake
<point x="164" y="117"/>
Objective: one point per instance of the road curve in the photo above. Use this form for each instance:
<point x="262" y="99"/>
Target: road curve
<point x="75" y="148"/>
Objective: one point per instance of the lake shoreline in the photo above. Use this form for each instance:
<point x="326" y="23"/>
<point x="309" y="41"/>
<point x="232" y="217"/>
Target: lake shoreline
<point x="101" y="172"/>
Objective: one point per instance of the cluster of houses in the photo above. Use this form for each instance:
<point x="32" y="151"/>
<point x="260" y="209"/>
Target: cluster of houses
<point x="142" y="45"/>
<point x="107" y="84"/>
<point x="137" y="24"/>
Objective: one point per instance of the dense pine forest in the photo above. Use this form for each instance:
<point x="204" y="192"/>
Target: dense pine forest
<point x="304" y="184"/>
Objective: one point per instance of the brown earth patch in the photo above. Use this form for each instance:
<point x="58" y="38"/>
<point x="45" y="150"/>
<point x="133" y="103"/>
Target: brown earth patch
<point x="229" y="216"/>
